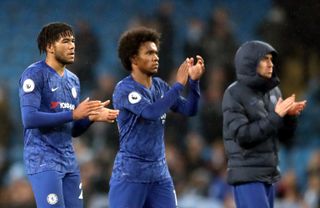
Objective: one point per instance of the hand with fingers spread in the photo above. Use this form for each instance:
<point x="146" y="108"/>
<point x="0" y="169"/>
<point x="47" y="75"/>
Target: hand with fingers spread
<point x="87" y="108"/>
<point x="196" y="70"/>
<point x="283" y="106"/>
<point x="297" y="108"/>
<point x="105" y="114"/>
<point x="182" y="74"/>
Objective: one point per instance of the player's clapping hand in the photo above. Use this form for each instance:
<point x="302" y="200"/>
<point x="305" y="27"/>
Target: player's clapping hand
<point x="87" y="108"/>
<point x="182" y="74"/>
<point x="297" y="108"/>
<point x="105" y="114"/>
<point x="196" y="70"/>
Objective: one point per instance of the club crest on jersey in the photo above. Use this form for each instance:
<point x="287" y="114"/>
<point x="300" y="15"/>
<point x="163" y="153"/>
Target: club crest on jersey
<point x="52" y="199"/>
<point x="28" y="85"/>
<point x="74" y="92"/>
<point x="134" y="97"/>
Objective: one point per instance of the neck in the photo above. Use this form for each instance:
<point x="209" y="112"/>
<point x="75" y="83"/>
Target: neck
<point x="57" y="66"/>
<point x="142" y="78"/>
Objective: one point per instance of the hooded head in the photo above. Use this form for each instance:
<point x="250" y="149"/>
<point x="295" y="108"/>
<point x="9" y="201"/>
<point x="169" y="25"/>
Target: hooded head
<point x="247" y="59"/>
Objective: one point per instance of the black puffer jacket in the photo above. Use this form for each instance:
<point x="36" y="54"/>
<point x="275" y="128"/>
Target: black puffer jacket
<point x="251" y="128"/>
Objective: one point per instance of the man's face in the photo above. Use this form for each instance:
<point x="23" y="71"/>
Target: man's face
<point x="265" y="66"/>
<point x="64" y="50"/>
<point x="147" y="60"/>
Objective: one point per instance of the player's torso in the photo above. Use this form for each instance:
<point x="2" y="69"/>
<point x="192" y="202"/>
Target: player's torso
<point x="141" y="140"/>
<point x="50" y="148"/>
<point x="140" y="136"/>
<point x="59" y="94"/>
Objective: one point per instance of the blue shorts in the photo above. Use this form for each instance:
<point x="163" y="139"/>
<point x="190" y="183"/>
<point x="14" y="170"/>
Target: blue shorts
<point x="124" y="194"/>
<point x="56" y="189"/>
<point x="252" y="195"/>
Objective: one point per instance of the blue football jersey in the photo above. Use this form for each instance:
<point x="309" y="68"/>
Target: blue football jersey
<point x="49" y="148"/>
<point x="141" y="157"/>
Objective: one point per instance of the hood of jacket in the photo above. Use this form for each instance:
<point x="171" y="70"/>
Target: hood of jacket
<point x="246" y="61"/>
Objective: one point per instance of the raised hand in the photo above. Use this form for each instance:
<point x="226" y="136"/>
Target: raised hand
<point x="86" y="108"/>
<point x="182" y="74"/>
<point x="196" y="71"/>
<point x="297" y="107"/>
<point x="105" y="114"/>
<point x="283" y="106"/>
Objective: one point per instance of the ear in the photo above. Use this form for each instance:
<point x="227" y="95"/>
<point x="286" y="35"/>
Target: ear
<point x="49" y="48"/>
<point x="133" y="59"/>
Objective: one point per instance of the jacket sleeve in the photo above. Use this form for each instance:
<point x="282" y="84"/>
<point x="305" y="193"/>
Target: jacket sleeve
<point x="238" y="126"/>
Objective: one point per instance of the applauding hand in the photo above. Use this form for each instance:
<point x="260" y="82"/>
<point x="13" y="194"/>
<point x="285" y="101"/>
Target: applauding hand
<point x="105" y="114"/>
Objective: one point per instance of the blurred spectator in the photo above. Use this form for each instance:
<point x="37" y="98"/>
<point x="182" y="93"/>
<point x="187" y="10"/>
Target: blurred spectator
<point x="101" y="135"/>
<point x="210" y="113"/>
<point x="18" y="195"/>
<point x="219" y="189"/>
<point x="287" y="192"/>
<point x="219" y="42"/>
<point x="312" y="192"/>
<point x="308" y="131"/>
<point x="302" y="21"/>
<point x="272" y="29"/>
<point x="194" y="151"/>
<point x="194" y="37"/>
<point x="88" y="53"/>
<point x="6" y="130"/>
<point x="302" y="33"/>
<point x="165" y="26"/>
<point x="311" y="196"/>
<point x="196" y="195"/>
<point x="292" y="76"/>
<point x="177" y="166"/>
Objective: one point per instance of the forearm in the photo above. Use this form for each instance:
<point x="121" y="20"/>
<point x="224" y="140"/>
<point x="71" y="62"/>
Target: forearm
<point x="32" y="118"/>
<point x="80" y="126"/>
<point x="161" y="106"/>
<point x="190" y="105"/>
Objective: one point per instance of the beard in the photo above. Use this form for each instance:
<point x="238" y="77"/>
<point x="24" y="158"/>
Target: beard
<point x="63" y="60"/>
<point x="149" y="72"/>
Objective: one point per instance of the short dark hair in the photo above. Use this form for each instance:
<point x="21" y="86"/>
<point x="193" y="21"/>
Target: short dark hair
<point x="51" y="33"/>
<point x="130" y="42"/>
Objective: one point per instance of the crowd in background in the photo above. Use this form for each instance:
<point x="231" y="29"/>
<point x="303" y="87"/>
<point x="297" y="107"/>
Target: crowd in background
<point x="194" y="147"/>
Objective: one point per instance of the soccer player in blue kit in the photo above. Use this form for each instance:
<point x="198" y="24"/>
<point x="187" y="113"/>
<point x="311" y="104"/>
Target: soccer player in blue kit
<point x="140" y="176"/>
<point x="52" y="114"/>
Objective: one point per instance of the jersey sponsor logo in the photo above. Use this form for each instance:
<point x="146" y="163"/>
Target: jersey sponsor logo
<point x="52" y="198"/>
<point x="134" y="97"/>
<point x="74" y="92"/>
<point x="28" y="85"/>
<point x="54" y="105"/>
<point x="62" y="105"/>
<point x="54" y="89"/>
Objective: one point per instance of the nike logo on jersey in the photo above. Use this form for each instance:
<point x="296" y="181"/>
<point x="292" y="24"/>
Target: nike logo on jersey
<point x="54" y="89"/>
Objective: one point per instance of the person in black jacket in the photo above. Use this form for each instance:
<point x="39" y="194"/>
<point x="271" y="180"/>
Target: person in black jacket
<point x="255" y="119"/>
